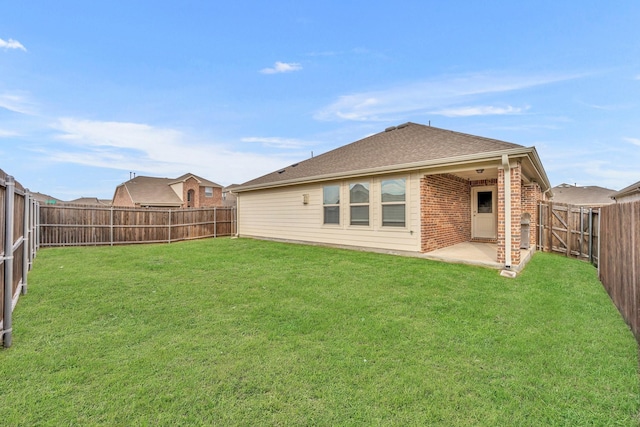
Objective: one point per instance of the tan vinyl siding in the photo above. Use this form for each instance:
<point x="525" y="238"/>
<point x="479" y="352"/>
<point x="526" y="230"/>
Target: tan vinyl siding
<point x="280" y="213"/>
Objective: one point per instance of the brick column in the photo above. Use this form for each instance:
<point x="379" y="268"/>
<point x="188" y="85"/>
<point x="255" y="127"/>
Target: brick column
<point x="516" y="212"/>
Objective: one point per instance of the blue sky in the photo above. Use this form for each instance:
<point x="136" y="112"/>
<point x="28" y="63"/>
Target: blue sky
<point x="91" y="91"/>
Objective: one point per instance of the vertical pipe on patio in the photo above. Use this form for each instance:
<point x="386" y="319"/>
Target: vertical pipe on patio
<point x="8" y="261"/>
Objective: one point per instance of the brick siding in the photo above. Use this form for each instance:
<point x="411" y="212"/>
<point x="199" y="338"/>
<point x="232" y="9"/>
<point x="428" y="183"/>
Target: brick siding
<point x="122" y="198"/>
<point x="445" y="211"/>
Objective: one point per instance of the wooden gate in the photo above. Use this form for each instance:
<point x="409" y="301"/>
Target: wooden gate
<point x="569" y="230"/>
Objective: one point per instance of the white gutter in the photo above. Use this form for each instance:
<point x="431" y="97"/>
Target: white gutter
<point x="507" y="210"/>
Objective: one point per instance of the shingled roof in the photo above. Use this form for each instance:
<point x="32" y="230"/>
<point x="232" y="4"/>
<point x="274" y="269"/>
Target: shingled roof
<point x="591" y="195"/>
<point x="402" y="145"/>
<point x="147" y="190"/>
<point x="627" y="191"/>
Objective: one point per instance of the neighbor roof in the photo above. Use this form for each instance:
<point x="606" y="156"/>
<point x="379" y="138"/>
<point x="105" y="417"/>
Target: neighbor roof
<point x="633" y="188"/>
<point x="398" y="146"/>
<point x="147" y="190"/>
<point x="201" y="181"/>
<point x="583" y="196"/>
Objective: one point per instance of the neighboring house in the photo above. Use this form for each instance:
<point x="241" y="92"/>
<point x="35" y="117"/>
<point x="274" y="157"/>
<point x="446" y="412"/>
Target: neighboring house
<point x="45" y="199"/>
<point x="187" y="191"/>
<point x="410" y="188"/>
<point x="228" y="196"/>
<point x="89" y="201"/>
<point x="592" y="196"/>
<point x="627" y="194"/>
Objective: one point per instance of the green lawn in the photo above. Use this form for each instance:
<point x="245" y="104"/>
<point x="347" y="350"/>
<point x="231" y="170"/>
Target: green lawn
<point x="243" y="332"/>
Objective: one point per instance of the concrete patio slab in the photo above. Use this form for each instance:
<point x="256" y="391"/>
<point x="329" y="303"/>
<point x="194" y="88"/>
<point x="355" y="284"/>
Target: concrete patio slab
<point x="475" y="253"/>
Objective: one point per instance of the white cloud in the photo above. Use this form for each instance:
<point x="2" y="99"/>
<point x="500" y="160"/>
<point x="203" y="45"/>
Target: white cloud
<point x="155" y="151"/>
<point x="277" y="142"/>
<point x="282" y="67"/>
<point x="16" y="103"/>
<point x="422" y="97"/>
<point x="634" y="141"/>
<point x="11" y="44"/>
<point x="8" y="133"/>
<point x="481" y="110"/>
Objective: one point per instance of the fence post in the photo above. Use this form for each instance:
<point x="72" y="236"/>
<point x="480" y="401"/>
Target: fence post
<point x="25" y="242"/>
<point x="111" y="226"/>
<point x="215" y="223"/>
<point x="591" y="236"/>
<point x="8" y="261"/>
<point x="169" y="226"/>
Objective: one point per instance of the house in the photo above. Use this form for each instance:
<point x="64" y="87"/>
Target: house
<point x="591" y="196"/>
<point x="186" y="191"/>
<point x="627" y="194"/>
<point x="228" y="195"/>
<point x="45" y="199"/>
<point x="90" y="201"/>
<point x="410" y="188"/>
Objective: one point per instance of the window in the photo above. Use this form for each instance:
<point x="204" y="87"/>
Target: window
<point x="393" y="202"/>
<point x="485" y="202"/>
<point x="359" y="201"/>
<point x="208" y="191"/>
<point x="331" y="204"/>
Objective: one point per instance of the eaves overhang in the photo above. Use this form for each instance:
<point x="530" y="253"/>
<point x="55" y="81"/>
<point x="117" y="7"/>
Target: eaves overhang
<point x="469" y="159"/>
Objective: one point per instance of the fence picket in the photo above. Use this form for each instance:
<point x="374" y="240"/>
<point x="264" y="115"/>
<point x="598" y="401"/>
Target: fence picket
<point x="95" y="225"/>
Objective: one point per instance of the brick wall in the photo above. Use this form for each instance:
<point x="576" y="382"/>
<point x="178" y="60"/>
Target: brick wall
<point x="531" y="197"/>
<point x="445" y="211"/>
<point x="190" y="184"/>
<point x="208" y="202"/>
<point x="122" y="198"/>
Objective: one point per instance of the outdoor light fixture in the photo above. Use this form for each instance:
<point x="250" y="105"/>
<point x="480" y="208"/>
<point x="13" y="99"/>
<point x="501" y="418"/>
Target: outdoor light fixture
<point x="479" y="170"/>
<point x="305" y="199"/>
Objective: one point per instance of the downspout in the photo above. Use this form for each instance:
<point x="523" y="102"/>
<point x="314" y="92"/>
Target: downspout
<point x="507" y="210"/>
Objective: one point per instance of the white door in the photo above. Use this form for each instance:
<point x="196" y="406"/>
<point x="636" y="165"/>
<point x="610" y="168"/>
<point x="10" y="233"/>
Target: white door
<point x="483" y="212"/>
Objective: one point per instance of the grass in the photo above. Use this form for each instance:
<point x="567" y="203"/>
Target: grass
<point x="243" y="332"/>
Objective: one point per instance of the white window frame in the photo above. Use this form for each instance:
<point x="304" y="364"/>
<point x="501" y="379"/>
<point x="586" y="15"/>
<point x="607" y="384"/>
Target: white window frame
<point x="366" y="204"/>
<point x="393" y="203"/>
<point x="330" y="205"/>
<point x="208" y="191"/>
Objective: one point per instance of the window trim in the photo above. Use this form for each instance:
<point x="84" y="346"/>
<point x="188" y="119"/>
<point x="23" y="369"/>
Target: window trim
<point x="331" y="205"/>
<point x="206" y="193"/>
<point x="360" y="204"/>
<point x="393" y="203"/>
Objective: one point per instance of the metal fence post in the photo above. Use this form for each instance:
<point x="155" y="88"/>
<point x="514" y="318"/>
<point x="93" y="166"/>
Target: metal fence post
<point x="111" y="226"/>
<point x="25" y="242"/>
<point x="8" y="261"/>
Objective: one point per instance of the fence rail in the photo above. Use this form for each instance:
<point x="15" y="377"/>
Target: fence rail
<point x="18" y="246"/>
<point x="620" y="259"/>
<point x="94" y="225"/>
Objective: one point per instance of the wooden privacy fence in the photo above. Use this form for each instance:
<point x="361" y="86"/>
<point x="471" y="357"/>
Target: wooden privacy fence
<point x="70" y="225"/>
<point x="620" y="259"/>
<point x="18" y="245"/>
<point x="570" y="230"/>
